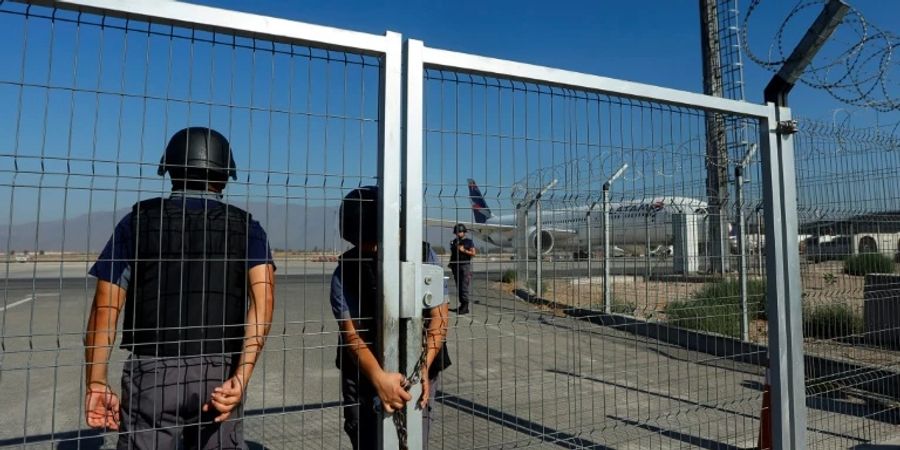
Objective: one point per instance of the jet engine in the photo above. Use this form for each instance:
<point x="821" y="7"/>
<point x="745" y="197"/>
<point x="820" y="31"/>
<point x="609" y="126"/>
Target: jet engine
<point x="546" y="241"/>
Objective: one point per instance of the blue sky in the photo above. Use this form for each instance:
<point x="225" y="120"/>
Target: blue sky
<point x="298" y="138"/>
<point x="655" y="42"/>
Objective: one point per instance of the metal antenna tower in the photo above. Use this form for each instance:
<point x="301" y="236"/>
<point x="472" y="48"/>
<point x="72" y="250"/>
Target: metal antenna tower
<point x="732" y="64"/>
<point x="716" y="141"/>
<point x="730" y="49"/>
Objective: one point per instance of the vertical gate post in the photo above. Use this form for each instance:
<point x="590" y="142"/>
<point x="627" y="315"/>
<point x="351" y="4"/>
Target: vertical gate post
<point x="783" y="283"/>
<point x="389" y="171"/>
<point x="413" y="163"/>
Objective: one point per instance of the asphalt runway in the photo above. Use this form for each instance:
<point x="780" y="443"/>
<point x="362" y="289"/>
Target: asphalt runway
<point x="522" y="376"/>
<point x="493" y="265"/>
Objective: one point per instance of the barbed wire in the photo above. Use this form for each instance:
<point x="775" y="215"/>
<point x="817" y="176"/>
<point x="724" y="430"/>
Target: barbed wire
<point x="581" y="179"/>
<point x="839" y="136"/>
<point x="858" y="68"/>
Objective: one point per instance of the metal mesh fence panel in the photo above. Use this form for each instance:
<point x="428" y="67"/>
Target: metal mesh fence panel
<point x="537" y="361"/>
<point x="89" y="102"/>
<point x="847" y="193"/>
<point x="616" y="296"/>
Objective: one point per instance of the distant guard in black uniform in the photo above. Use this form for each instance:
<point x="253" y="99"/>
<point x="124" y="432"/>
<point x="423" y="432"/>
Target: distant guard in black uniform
<point x="462" y="249"/>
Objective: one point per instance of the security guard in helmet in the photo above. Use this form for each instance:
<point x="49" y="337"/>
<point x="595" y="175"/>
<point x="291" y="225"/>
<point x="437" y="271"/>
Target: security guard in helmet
<point x="354" y="303"/>
<point x="194" y="277"/>
<point x="462" y="249"/>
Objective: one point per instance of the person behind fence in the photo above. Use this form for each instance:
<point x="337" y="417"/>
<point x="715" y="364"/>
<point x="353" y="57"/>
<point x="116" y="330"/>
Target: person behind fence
<point x="354" y="302"/>
<point x="182" y="268"/>
<point x="462" y="249"/>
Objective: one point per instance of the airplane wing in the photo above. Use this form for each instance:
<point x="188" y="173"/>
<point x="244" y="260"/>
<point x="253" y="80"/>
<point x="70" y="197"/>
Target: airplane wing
<point x="485" y="228"/>
<point x="504" y="234"/>
<point x="476" y="227"/>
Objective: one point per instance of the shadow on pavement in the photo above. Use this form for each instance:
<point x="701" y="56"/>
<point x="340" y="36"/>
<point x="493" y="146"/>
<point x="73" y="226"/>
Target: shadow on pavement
<point x="519" y="424"/>
<point x="679" y="436"/>
<point x="839" y="402"/>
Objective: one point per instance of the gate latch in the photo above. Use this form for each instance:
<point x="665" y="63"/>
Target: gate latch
<point x="422" y="290"/>
<point x="435" y="286"/>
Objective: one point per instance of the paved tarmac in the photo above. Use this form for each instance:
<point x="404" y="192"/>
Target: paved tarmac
<point x="493" y="265"/>
<point x="522" y="377"/>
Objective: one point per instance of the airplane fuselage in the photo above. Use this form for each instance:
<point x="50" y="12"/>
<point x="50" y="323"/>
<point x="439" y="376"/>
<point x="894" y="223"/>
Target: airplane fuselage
<point x="640" y="223"/>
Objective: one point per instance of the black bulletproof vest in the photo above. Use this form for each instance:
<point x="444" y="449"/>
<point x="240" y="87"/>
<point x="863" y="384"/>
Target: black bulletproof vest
<point x="359" y="277"/>
<point x="455" y="255"/>
<point x="188" y="289"/>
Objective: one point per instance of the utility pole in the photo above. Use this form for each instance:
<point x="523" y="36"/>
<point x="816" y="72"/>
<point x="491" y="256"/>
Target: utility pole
<point x="716" y="148"/>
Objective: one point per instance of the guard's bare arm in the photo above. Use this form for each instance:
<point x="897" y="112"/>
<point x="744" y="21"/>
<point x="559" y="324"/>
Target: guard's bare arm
<point x="468" y="251"/>
<point x="435" y="335"/>
<point x="109" y="299"/>
<point x="101" y="404"/>
<point x="389" y="385"/>
<point x="261" y="279"/>
<point x="259" y="317"/>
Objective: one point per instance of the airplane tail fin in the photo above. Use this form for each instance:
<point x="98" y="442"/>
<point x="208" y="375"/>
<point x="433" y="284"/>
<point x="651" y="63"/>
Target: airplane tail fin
<point x="479" y="207"/>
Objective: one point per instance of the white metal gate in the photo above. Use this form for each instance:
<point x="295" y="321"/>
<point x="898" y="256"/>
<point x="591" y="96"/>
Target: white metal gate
<point x="574" y="348"/>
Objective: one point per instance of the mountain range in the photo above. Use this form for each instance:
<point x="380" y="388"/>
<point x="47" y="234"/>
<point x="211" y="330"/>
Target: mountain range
<point x="289" y="227"/>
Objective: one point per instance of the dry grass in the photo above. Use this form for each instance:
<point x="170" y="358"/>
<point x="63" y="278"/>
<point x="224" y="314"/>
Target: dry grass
<point x="823" y="284"/>
<point x="648" y="297"/>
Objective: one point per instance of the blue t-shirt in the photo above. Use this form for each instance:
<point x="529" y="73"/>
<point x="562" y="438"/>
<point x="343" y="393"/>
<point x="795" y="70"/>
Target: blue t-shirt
<point x="344" y="305"/>
<point x="114" y="263"/>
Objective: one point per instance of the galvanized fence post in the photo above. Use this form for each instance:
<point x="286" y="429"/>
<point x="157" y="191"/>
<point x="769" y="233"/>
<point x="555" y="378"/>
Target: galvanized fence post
<point x="742" y="249"/>
<point x="786" y="363"/>
<point x="389" y="170"/>
<point x="742" y="238"/>
<point x="413" y="79"/>
<point x="607" y="290"/>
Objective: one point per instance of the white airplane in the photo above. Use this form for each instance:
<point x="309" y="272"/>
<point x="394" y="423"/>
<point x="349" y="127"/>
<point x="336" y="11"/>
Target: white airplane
<point x="634" y="224"/>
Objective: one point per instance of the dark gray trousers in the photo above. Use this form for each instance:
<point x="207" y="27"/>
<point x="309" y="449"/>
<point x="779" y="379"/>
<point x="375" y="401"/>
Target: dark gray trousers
<point x="162" y="399"/>
<point x="462" y="274"/>
<point x="360" y="419"/>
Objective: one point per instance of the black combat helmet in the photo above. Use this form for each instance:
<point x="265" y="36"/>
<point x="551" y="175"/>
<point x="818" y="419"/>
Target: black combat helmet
<point x="359" y="215"/>
<point x="198" y="153"/>
<point x="459" y="228"/>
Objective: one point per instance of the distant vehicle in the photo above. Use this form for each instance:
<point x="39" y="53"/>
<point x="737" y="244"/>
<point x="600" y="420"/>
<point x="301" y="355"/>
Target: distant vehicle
<point x="663" y="251"/>
<point x="826" y="247"/>
<point x="23" y="258"/>
<point x="616" y="253"/>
